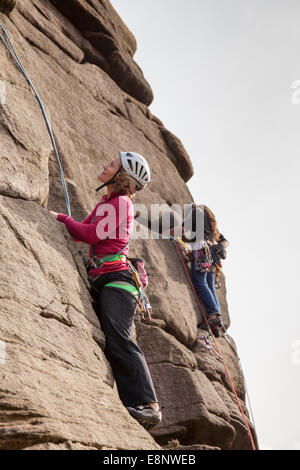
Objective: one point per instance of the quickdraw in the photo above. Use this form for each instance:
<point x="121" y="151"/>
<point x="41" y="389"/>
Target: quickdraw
<point x="218" y="271"/>
<point x="143" y="303"/>
<point x="207" y="343"/>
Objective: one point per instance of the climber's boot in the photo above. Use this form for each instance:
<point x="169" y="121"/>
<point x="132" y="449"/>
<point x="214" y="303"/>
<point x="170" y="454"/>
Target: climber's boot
<point x="216" y="320"/>
<point x="215" y="331"/>
<point x="215" y="325"/>
<point x="145" y="415"/>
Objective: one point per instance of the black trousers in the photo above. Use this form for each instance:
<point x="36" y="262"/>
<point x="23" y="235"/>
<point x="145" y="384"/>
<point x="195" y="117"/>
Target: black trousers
<point x="115" y="309"/>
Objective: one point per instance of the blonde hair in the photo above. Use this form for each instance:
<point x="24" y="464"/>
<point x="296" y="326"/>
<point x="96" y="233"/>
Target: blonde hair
<point x="213" y="223"/>
<point x="123" y="184"/>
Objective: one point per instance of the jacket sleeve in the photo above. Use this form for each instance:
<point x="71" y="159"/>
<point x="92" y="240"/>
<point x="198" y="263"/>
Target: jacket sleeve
<point x="61" y="218"/>
<point x="81" y="231"/>
<point x="88" y="232"/>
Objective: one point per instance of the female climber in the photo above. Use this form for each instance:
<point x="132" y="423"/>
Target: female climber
<point x="108" y="231"/>
<point x="208" y="247"/>
<point x="207" y="253"/>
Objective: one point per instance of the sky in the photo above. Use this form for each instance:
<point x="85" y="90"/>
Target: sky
<point x="222" y="73"/>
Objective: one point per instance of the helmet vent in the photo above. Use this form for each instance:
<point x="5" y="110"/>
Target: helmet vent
<point x="130" y="163"/>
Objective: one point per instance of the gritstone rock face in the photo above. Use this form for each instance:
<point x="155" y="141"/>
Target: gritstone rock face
<point x="56" y="385"/>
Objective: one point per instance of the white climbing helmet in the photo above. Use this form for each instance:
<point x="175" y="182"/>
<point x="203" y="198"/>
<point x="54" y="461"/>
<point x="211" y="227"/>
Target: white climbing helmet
<point x="136" y="166"/>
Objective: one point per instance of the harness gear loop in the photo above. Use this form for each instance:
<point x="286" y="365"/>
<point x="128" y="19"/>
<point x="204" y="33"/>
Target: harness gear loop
<point x="215" y="343"/>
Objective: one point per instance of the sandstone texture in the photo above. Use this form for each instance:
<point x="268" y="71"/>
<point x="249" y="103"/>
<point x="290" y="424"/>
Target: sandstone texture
<point x="56" y="388"/>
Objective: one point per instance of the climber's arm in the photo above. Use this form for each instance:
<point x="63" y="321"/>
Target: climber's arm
<point x="81" y="231"/>
<point x="106" y="224"/>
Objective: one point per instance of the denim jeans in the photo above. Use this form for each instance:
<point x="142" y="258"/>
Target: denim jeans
<point x="204" y="284"/>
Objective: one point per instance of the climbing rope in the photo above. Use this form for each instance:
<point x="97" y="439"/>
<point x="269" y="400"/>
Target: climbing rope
<point x="229" y="340"/>
<point x="215" y="343"/>
<point x="12" y="52"/>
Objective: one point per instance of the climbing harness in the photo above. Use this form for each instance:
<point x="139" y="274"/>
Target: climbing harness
<point x="135" y="267"/>
<point x="214" y="341"/>
<point x="95" y="262"/>
<point x="143" y="301"/>
<point x="203" y="260"/>
<point x="12" y="52"/>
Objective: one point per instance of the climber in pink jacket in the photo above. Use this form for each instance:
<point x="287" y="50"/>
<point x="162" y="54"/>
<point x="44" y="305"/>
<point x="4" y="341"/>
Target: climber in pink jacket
<point x="94" y="230"/>
<point x="108" y="230"/>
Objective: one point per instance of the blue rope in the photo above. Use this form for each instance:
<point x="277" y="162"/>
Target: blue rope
<point x="10" y="48"/>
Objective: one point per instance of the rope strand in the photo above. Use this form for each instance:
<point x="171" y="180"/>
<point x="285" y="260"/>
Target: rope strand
<point x="216" y="346"/>
<point x="12" y="52"/>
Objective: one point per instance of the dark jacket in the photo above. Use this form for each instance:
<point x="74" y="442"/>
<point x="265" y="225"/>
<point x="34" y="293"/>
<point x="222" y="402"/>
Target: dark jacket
<point x="207" y="229"/>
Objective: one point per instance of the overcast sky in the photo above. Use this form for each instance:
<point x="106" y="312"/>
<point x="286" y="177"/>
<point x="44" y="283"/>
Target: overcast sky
<point x="222" y="75"/>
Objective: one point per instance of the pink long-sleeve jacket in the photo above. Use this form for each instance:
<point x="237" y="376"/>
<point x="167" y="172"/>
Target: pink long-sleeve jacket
<point x="108" y="228"/>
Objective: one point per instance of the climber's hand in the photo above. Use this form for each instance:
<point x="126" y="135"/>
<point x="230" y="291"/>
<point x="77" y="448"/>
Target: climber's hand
<point x="55" y="214"/>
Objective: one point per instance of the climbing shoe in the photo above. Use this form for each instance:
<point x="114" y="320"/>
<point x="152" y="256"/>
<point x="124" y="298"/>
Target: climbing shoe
<point x="215" y="331"/>
<point x="215" y="325"/>
<point x="145" y="415"/>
